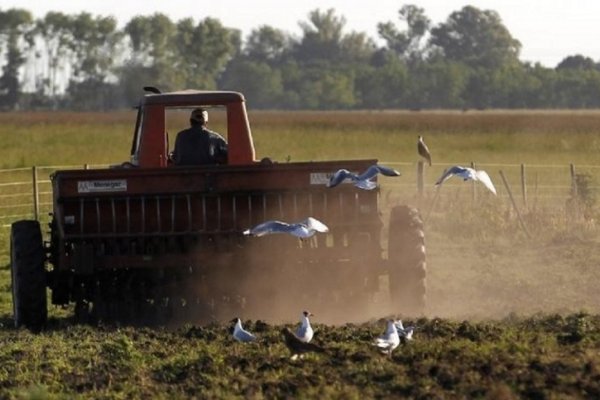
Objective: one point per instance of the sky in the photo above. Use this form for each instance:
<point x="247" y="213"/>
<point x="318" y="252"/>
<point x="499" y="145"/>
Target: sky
<point x="548" y="30"/>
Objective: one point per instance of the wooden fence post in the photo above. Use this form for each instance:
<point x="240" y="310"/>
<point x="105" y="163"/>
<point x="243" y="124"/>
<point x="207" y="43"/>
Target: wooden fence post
<point x="473" y="186"/>
<point x="36" y="193"/>
<point x="573" y="181"/>
<point x="420" y="180"/>
<point x="523" y="185"/>
<point x="514" y="203"/>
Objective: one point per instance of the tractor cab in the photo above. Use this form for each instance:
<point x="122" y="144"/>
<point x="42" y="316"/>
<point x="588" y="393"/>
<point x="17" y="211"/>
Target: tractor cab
<point x="150" y="146"/>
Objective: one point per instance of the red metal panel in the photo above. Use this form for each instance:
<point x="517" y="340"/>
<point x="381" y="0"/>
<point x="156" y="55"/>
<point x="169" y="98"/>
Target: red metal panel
<point x="203" y="200"/>
<point x="239" y="136"/>
<point x="153" y="144"/>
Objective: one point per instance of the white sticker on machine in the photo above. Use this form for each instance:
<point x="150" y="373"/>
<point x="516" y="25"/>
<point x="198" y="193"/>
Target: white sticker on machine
<point x="320" y="178"/>
<point x="115" y="185"/>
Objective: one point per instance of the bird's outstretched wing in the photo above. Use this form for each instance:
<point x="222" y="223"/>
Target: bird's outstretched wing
<point x="399" y="325"/>
<point x="484" y="178"/>
<point x="296" y="346"/>
<point x="375" y="169"/>
<point x="339" y="176"/>
<point x="407" y="334"/>
<point x="365" y="184"/>
<point x="363" y="181"/>
<point x="268" y="227"/>
<point x="315" y="225"/>
<point x="455" y="170"/>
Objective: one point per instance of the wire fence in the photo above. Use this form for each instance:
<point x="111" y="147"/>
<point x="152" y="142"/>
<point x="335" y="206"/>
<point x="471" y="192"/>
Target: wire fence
<point x="26" y="193"/>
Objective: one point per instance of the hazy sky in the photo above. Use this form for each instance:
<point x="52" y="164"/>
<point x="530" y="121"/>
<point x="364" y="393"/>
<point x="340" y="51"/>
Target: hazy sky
<point x="548" y="30"/>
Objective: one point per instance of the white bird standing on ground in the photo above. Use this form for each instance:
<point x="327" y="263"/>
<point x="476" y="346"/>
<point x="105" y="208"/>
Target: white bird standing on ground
<point x="240" y="334"/>
<point x="303" y="229"/>
<point x="389" y="340"/>
<point x="468" y="174"/>
<point x="305" y="331"/>
<point x="423" y="150"/>
<point x="362" y="181"/>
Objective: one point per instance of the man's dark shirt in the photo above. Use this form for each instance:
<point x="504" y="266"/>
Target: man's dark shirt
<point x="198" y="145"/>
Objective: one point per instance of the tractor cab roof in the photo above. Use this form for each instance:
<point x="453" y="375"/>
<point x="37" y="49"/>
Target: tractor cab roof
<point x="150" y="142"/>
<point x="193" y="98"/>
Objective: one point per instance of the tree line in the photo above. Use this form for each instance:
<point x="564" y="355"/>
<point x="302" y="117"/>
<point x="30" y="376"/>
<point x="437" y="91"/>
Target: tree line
<point x="85" y="62"/>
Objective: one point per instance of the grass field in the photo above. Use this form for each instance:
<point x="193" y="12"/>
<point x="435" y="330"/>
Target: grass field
<point x="507" y="317"/>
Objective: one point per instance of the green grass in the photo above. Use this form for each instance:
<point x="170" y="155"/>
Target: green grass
<point x="557" y="137"/>
<point x="507" y="317"/>
<point x="540" y="356"/>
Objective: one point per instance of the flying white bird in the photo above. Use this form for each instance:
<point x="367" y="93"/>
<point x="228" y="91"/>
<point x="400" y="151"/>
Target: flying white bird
<point x="305" y="331"/>
<point x="240" y="334"/>
<point x="389" y="340"/>
<point x="423" y="150"/>
<point x="303" y="229"/>
<point x="362" y="181"/>
<point x="468" y="174"/>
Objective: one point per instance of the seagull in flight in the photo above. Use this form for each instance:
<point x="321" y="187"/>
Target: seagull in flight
<point x="389" y="340"/>
<point x="297" y="346"/>
<point x="240" y="334"/>
<point x="305" y="331"/>
<point x="468" y="174"/>
<point x="423" y="150"/>
<point x="362" y="181"/>
<point x="303" y="229"/>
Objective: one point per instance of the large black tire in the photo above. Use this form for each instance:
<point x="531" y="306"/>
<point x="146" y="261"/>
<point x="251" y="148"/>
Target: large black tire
<point x="28" y="275"/>
<point x="407" y="263"/>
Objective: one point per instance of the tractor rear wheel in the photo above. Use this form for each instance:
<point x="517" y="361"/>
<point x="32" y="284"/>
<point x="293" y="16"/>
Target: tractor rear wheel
<point x="28" y="275"/>
<point x="406" y="258"/>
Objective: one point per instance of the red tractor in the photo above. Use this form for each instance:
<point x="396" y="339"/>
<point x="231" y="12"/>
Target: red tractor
<point x="148" y="241"/>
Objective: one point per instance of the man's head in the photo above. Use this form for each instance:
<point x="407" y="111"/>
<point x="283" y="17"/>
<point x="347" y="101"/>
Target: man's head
<point x="199" y="116"/>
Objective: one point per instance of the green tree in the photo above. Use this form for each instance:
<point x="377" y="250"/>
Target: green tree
<point x="261" y="84"/>
<point x="514" y="87"/>
<point x="475" y="37"/>
<point x="267" y="44"/>
<point x="203" y="51"/>
<point x="356" y="49"/>
<point x="94" y="42"/>
<point x="408" y="43"/>
<point x="326" y="87"/>
<point x="383" y="85"/>
<point x="577" y="62"/>
<point x="153" y="56"/>
<point x="321" y="37"/>
<point x="14" y="26"/>
<point x="577" y="88"/>
<point x="54" y="35"/>
<point x="323" y="40"/>
<point x="437" y="84"/>
<point x="540" y="81"/>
